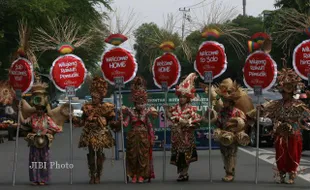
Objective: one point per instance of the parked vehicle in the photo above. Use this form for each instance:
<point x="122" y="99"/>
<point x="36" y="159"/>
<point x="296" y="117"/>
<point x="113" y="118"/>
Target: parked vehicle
<point x="266" y="125"/>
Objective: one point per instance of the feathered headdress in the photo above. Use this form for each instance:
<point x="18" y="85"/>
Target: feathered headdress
<point x="187" y="87"/>
<point x="288" y="80"/>
<point x="99" y="87"/>
<point x="7" y="93"/>
<point x="138" y="90"/>
<point x="229" y="90"/>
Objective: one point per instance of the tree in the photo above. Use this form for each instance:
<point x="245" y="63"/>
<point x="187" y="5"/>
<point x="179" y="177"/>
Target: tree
<point x="36" y="13"/>
<point x="300" y="5"/>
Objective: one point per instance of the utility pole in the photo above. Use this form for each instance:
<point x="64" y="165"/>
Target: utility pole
<point x="184" y="10"/>
<point x="244" y="6"/>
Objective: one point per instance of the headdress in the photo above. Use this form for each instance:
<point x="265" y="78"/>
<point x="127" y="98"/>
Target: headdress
<point x="229" y="90"/>
<point x="99" y="87"/>
<point x="287" y="79"/>
<point x="138" y="90"/>
<point x="187" y="87"/>
<point x="7" y="94"/>
<point x="39" y="93"/>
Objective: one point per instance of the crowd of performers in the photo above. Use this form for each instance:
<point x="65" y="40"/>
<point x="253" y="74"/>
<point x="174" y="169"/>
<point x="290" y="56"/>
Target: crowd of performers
<point x="232" y="111"/>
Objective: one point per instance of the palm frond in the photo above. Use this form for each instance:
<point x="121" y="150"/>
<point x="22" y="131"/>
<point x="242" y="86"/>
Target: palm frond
<point x="62" y="31"/>
<point x="290" y="24"/>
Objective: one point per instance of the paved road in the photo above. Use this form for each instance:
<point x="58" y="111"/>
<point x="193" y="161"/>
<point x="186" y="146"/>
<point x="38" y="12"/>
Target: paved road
<point x="113" y="175"/>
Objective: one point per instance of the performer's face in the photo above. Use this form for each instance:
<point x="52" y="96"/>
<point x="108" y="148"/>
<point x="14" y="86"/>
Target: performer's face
<point x="226" y="103"/>
<point x="96" y="100"/>
<point x="140" y="106"/>
<point x="183" y="100"/>
<point x="286" y="95"/>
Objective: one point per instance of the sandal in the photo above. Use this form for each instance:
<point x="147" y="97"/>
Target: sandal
<point x="228" y="178"/>
<point x="290" y="181"/>
<point x="34" y="183"/>
<point x="42" y="183"/>
<point x="183" y="178"/>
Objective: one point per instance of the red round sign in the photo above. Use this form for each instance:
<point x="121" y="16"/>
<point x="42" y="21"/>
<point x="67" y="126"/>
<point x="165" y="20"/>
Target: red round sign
<point x="21" y="75"/>
<point x="301" y="59"/>
<point x="166" y="68"/>
<point x="68" y="70"/>
<point x="118" y="62"/>
<point x="211" y="57"/>
<point x="260" y="70"/>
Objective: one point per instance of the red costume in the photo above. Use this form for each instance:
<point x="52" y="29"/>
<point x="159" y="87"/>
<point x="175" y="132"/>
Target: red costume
<point x="288" y="116"/>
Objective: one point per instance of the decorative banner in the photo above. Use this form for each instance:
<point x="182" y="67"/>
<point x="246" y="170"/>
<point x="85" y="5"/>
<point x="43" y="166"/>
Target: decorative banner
<point x="118" y="62"/>
<point x="166" y="68"/>
<point x="211" y="57"/>
<point x="301" y="59"/>
<point x="21" y="75"/>
<point x="68" y="70"/>
<point x="260" y="70"/>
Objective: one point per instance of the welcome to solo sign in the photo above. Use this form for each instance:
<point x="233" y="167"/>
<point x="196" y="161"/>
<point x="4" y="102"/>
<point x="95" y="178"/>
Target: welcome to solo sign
<point x="260" y="70"/>
<point x="211" y="57"/>
<point x="166" y="68"/>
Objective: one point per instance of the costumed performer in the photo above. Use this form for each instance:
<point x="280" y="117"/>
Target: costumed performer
<point x="289" y="117"/>
<point x="96" y="135"/>
<point x="43" y="123"/>
<point x="140" y="138"/>
<point x="184" y="120"/>
<point x="230" y="125"/>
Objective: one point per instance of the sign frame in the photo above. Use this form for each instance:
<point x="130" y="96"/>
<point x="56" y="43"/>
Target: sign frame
<point x="119" y="82"/>
<point x="18" y="94"/>
<point x="258" y="90"/>
<point x="208" y="77"/>
<point x="70" y="91"/>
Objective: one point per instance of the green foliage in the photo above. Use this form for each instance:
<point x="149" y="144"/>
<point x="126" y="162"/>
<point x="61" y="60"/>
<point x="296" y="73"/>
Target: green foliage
<point x="36" y="13"/>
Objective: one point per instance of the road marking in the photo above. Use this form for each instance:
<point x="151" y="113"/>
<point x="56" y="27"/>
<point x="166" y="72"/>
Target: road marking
<point x="269" y="157"/>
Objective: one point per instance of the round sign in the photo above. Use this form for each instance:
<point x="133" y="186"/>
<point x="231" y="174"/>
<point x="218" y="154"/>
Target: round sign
<point x="21" y="75"/>
<point x="260" y="70"/>
<point x="301" y="59"/>
<point x="211" y="57"/>
<point x="118" y="62"/>
<point x="166" y="68"/>
<point x="68" y="70"/>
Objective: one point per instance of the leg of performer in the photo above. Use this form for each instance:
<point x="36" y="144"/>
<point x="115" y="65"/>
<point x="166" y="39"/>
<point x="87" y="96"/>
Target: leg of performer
<point x="91" y="164"/>
<point x="45" y="171"/>
<point x="33" y="162"/>
<point x="294" y="151"/>
<point x="281" y="157"/>
<point x="100" y="161"/>
<point x="229" y="159"/>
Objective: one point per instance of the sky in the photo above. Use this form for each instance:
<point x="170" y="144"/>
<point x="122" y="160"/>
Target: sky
<point x="156" y="10"/>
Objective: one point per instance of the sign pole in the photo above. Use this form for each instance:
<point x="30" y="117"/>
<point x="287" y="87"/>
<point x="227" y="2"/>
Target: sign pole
<point x="258" y="93"/>
<point x="119" y="82"/>
<point x="308" y="79"/>
<point x="19" y="97"/>
<point x="165" y="90"/>
<point x="70" y="91"/>
<point x="208" y="78"/>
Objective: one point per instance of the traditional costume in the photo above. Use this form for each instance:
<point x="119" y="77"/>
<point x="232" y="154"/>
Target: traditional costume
<point x="96" y="134"/>
<point x="140" y="138"/>
<point x="289" y="117"/>
<point x="43" y="123"/>
<point x="230" y="125"/>
<point x="185" y="120"/>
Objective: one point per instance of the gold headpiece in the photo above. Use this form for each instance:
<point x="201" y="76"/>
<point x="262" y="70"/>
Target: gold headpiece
<point x="7" y="93"/>
<point x="229" y="90"/>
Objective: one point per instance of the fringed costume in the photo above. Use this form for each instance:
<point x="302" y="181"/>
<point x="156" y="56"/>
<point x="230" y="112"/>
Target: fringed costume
<point x="96" y="134"/>
<point x="42" y="124"/>
<point x="289" y="116"/>
<point x="185" y="120"/>
<point x="230" y="125"/>
<point x="140" y="138"/>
